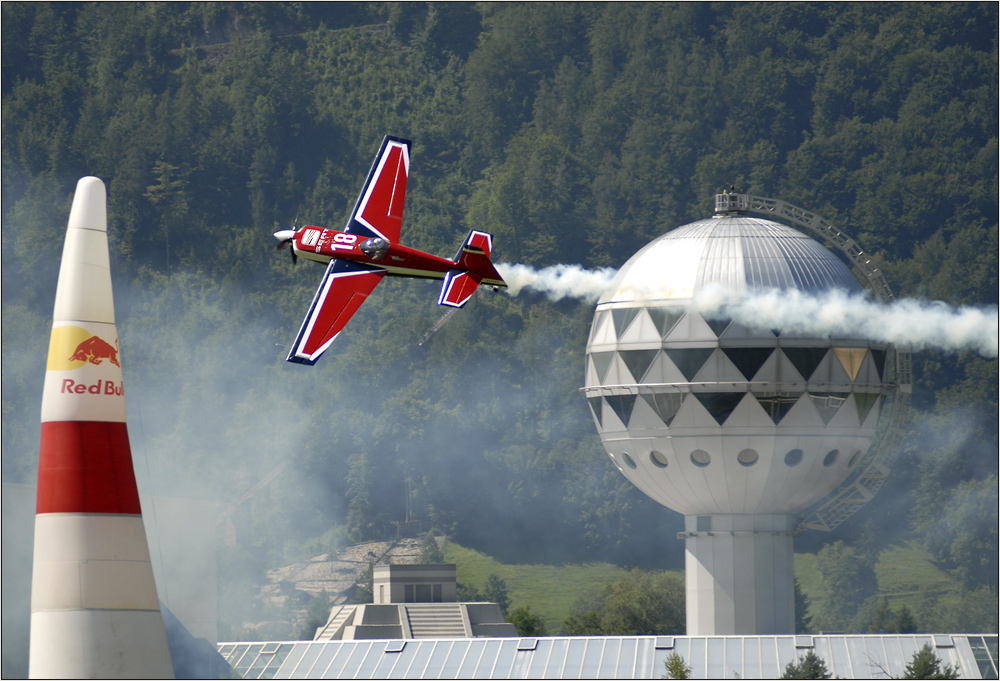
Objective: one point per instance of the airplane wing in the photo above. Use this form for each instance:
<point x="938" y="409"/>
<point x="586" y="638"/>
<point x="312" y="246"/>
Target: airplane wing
<point x="344" y="287"/>
<point x="379" y="210"/>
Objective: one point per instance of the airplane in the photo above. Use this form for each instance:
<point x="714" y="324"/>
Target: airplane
<point x="368" y="249"/>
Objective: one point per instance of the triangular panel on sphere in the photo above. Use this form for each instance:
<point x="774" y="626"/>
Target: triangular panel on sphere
<point x="691" y="327"/>
<point x="662" y="370"/>
<point x="604" y="330"/>
<point x="689" y="360"/>
<point x="777" y="405"/>
<point x="748" y="360"/>
<point x="602" y="362"/>
<point x="830" y="370"/>
<point x="851" y="359"/>
<point x="665" y="405"/>
<point x="720" y="405"/>
<point x="638" y="361"/>
<point x="664" y="318"/>
<point x="596" y="406"/>
<point x="622" y="317"/>
<point x="748" y="413"/>
<point x="805" y="360"/>
<point x="803" y="414"/>
<point x="865" y="402"/>
<point x="718" y="369"/>
<point x="828" y="404"/>
<point x="692" y="414"/>
<point x="622" y="406"/>
<point x="644" y="417"/>
<point x="878" y="356"/>
<point x="641" y="330"/>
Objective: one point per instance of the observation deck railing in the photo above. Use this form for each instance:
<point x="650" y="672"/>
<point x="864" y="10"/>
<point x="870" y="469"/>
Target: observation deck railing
<point x="857" y="490"/>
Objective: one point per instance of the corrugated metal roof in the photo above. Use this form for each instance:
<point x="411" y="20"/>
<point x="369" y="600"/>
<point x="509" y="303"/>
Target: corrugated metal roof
<point x="612" y="657"/>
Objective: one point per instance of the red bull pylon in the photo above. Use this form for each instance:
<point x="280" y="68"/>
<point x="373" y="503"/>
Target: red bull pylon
<point x="94" y="608"/>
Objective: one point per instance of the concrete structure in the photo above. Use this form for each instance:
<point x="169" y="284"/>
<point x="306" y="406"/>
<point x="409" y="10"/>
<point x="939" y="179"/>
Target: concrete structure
<point x="414" y="583"/>
<point x="739" y="428"/>
<point x="94" y="607"/>
<point x="606" y="657"/>
<point x="414" y="601"/>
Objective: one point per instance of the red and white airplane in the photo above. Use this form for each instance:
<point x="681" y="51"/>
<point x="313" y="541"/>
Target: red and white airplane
<point x="368" y="249"/>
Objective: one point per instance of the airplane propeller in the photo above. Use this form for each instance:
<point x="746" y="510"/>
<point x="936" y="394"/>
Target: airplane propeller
<point x="286" y="236"/>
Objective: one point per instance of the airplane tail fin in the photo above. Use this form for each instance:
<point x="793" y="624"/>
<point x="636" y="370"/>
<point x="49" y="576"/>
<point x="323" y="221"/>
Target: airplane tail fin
<point x="472" y="268"/>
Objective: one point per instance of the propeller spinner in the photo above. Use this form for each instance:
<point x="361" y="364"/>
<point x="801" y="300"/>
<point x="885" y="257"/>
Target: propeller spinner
<point x="286" y="236"/>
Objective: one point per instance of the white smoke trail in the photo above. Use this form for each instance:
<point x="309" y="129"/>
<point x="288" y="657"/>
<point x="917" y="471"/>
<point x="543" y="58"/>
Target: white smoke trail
<point x="557" y="281"/>
<point x="920" y="324"/>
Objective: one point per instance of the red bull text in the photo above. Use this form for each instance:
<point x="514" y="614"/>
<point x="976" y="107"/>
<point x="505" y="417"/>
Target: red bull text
<point x="100" y="388"/>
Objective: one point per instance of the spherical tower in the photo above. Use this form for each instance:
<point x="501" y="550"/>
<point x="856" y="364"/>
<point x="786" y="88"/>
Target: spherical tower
<point x="742" y="428"/>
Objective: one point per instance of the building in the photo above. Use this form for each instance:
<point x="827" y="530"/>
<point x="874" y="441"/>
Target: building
<point x="414" y="602"/>
<point x="599" y="657"/>
<point x="739" y="427"/>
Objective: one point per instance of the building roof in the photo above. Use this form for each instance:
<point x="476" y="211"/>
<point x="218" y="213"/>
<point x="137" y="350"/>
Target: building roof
<point x="614" y="657"/>
<point x="740" y="253"/>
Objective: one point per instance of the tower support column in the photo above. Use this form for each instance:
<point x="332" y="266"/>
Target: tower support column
<point x="739" y="574"/>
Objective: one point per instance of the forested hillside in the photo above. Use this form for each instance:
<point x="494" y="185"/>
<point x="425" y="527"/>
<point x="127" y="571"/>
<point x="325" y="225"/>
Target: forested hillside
<point x="575" y="133"/>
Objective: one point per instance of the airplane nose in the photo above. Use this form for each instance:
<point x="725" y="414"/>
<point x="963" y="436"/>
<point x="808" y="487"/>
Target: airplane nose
<point x="284" y="235"/>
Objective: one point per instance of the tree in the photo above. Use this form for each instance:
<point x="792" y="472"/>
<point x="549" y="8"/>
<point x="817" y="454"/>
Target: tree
<point x="904" y="622"/>
<point x="360" y="509"/>
<point x="317" y="613"/>
<point x="644" y="603"/>
<point x="467" y="594"/>
<point x="430" y="552"/>
<point x="811" y="666"/>
<point x="496" y="592"/>
<point x="364" y="588"/>
<point x="676" y="667"/>
<point x="585" y="624"/>
<point x="848" y="580"/>
<point x="639" y="603"/>
<point x="880" y="622"/>
<point x="527" y="623"/>
<point x="926" y="665"/>
<point x="803" y="622"/>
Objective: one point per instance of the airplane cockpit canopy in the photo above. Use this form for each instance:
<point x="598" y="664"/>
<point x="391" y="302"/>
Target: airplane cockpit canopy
<point x="375" y="248"/>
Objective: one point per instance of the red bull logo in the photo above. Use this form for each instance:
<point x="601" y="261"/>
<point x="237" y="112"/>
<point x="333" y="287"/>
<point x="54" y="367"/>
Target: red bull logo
<point x="75" y="347"/>
<point x="95" y="350"/>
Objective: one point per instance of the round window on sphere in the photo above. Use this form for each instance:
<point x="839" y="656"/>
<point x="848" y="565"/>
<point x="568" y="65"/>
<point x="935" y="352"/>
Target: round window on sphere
<point x="700" y="458"/>
<point x="628" y="460"/>
<point x="854" y="459"/>
<point x="658" y="459"/>
<point x="747" y="457"/>
<point x="830" y="457"/>
<point x="793" y="457"/>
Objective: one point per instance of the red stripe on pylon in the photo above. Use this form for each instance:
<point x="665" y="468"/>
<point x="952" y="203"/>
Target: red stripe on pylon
<point x="86" y="467"/>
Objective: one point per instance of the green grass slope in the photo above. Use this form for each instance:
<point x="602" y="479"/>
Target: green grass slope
<point x="550" y="590"/>
<point x="905" y="576"/>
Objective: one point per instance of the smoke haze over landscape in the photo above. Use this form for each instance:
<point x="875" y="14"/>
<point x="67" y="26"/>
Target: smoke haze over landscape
<point x="574" y="133"/>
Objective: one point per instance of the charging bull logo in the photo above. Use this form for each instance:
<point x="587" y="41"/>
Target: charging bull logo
<point x="95" y="350"/>
<point x="72" y="347"/>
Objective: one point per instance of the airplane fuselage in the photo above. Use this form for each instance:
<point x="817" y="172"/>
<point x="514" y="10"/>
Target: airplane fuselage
<point x="322" y="245"/>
